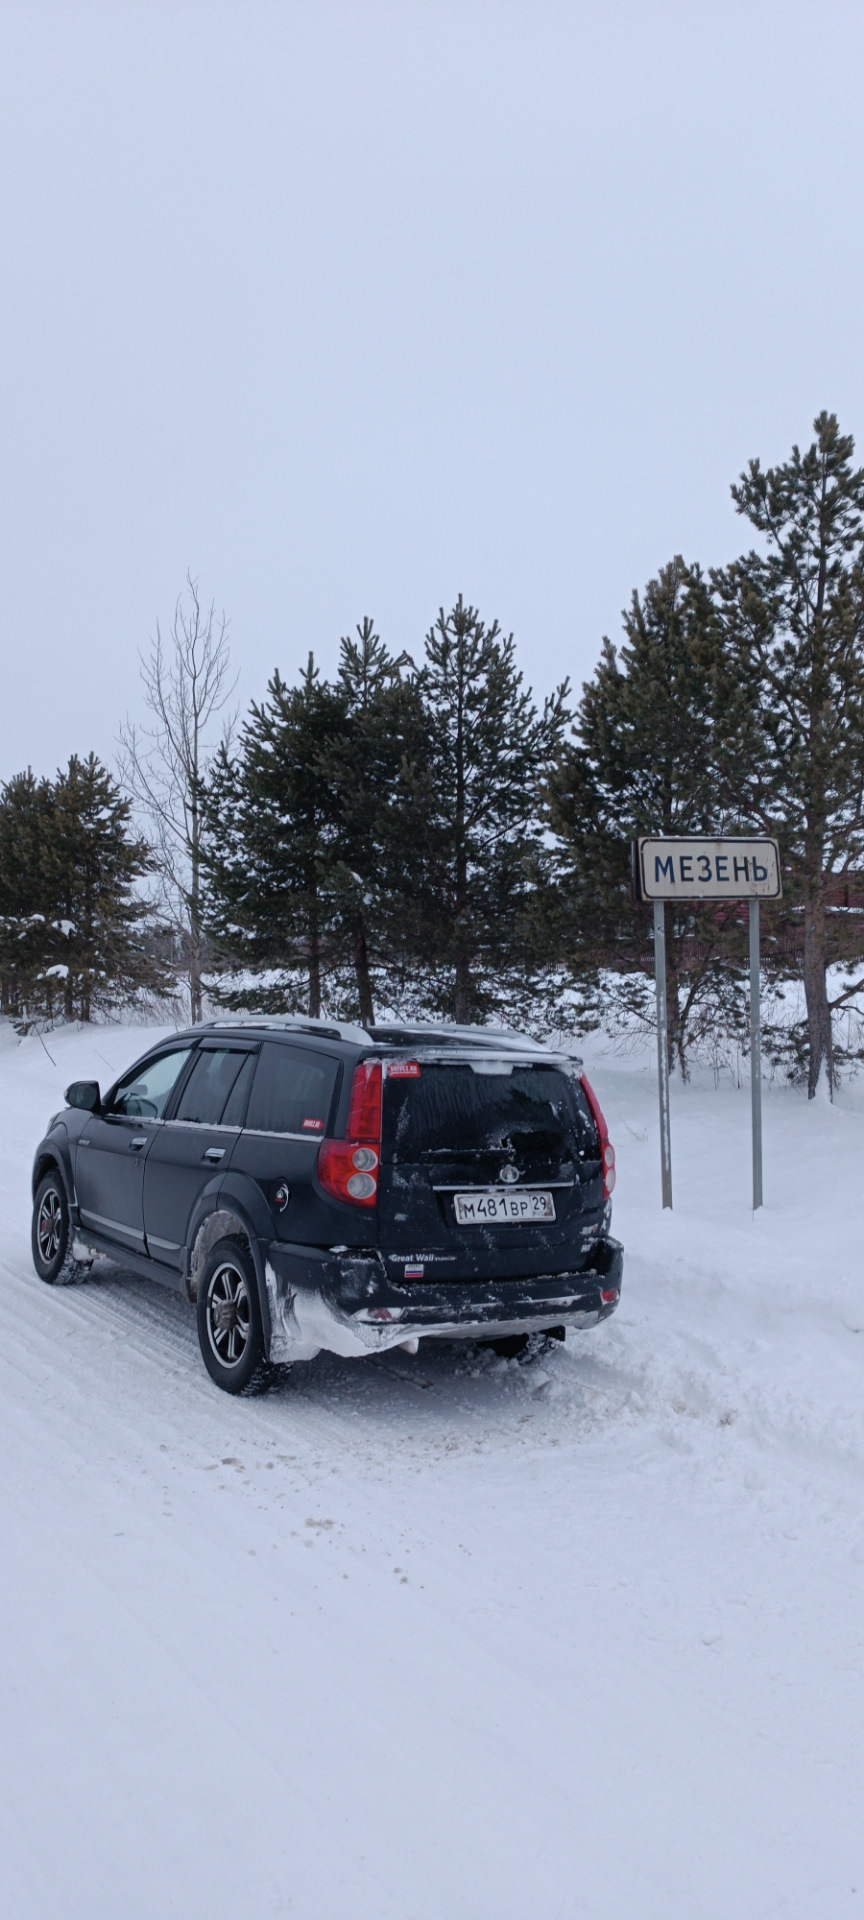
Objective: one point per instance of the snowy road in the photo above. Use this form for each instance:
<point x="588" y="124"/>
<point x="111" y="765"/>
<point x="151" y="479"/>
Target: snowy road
<point x="449" y="1638"/>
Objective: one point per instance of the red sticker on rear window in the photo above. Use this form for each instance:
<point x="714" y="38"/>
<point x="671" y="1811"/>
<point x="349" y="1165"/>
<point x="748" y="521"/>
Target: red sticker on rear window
<point x="315" y="1126"/>
<point x="403" y="1070"/>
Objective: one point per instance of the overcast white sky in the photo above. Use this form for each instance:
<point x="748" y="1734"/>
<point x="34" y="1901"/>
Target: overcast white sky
<point x="352" y="307"/>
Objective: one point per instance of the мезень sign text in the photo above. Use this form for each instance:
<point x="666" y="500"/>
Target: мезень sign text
<point x="736" y="868"/>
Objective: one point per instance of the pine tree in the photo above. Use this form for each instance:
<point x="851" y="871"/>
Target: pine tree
<point x="643" y="761"/>
<point x="793" y="619"/>
<point x="489" y="751"/>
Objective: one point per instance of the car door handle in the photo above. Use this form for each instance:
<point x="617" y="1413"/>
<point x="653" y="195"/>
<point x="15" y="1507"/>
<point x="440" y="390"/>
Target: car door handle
<point x="140" y="1141"/>
<point x="215" y="1153"/>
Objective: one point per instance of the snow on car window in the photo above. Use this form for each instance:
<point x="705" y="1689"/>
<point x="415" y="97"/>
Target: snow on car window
<point x="452" y="1109"/>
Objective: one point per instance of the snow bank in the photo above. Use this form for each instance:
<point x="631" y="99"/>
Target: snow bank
<point x="450" y="1635"/>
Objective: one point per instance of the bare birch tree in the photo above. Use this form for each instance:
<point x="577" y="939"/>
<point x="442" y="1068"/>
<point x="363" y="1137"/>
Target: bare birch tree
<point x="186" y="681"/>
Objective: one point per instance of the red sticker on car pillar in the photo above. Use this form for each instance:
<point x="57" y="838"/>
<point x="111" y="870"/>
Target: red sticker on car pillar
<point x="403" y="1070"/>
<point x="314" y="1126"/>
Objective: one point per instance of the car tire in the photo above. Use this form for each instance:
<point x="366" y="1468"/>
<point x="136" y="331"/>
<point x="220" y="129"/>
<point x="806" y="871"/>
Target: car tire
<point x="51" y="1235"/>
<point x="230" y="1331"/>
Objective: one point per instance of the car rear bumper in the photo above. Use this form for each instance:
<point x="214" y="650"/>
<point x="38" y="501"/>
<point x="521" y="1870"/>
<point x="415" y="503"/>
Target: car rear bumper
<point x="356" y="1310"/>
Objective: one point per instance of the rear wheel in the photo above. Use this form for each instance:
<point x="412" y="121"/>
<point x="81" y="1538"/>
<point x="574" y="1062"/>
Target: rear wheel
<point x="230" y="1332"/>
<point x="51" y="1236"/>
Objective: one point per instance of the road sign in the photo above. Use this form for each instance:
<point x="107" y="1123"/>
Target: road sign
<point x="735" y="867"/>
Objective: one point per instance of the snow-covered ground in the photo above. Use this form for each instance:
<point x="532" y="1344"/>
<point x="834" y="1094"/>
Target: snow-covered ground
<point x="450" y="1638"/>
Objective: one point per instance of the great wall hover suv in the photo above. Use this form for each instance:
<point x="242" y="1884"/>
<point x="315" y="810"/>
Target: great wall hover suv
<point x="319" y="1186"/>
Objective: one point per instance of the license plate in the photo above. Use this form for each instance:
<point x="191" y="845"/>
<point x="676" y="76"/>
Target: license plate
<point x="490" y="1207"/>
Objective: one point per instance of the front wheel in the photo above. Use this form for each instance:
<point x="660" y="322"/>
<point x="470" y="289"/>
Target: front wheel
<point x="51" y="1235"/>
<point x="230" y="1332"/>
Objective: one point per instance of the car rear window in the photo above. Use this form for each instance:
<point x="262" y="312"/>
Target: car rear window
<point x="451" y="1110"/>
<point x="292" y="1091"/>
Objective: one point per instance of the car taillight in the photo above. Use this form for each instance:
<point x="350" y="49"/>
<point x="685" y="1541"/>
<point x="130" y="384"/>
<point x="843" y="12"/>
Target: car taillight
<point x="607" y="1151"/>
<point x="348" y="1169"/>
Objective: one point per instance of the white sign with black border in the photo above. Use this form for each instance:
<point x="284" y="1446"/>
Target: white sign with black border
<point x="735" y="867"/>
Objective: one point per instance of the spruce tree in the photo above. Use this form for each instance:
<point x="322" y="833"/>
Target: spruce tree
<point x="643" y="760"/>
<point x="311" y="836"/>
<point x="26" y="903"/>
<point x="72" y="931"/>
<point x="94" y="864"/>
<point x="793" y="748"/>
<point x="486" y="870"/>
<point x="267" y="847"/>
<point x="374" y="768"/>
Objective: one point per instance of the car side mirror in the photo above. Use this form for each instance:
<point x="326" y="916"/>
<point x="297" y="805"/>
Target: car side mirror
<point x="84" y="1093"/>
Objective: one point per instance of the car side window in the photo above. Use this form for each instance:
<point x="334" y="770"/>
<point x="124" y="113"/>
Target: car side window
<point x="235" y="1105"/>
<point x="292" y="1091"/>
<point x="210" y="1085"/>
<point x="143" y="1094"/>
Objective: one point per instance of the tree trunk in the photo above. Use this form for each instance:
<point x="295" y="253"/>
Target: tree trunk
<point x="819" y="1035"/>
<point x="363" y="976"/>
<point x="674" y="1024"/>
<point x="462" y="996"/>
<point x="314" y="962"/>
<point x="195" y="991"/>
<point x="462" y="992"/>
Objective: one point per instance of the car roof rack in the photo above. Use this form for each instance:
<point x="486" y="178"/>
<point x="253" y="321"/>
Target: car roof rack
<point x="296" y="1023"/>
<point x="413" y="1032"/>
<point x="395" y="1033"/>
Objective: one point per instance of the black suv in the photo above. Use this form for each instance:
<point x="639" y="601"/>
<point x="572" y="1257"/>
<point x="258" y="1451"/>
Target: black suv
<point x="314" y="1185"/>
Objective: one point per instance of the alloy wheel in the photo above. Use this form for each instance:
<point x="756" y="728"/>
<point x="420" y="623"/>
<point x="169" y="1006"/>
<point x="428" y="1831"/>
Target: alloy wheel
<point x="49" y="1226"/>
<point x="229" y="1315"/>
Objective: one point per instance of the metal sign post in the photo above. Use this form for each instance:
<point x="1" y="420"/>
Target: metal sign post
<point x="731" y="868"/>
<point x="663" y="1051"/>
<point x="755" y="1054"/>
